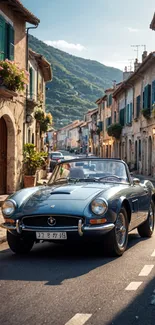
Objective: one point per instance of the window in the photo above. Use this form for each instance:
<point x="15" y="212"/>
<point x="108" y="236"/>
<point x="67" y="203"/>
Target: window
<point x="147" y="97"/>
<point x="108" y="121"/>
<point x="109" y="101"/>
<point x="121" y="116"/>
<point x="31" y="72"/>
<point x="153" y="92"/>
<point x="115" y="117"/>
<point x="6" y="40"/>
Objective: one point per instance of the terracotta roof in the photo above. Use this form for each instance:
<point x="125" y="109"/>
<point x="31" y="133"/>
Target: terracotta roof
<point x="109" y="89"/>
<point x="94" y="111"/>
<point x="99" y="101"/>
<point x="84" y="124"/>
<point x="136" y="75"/>
<point x="43" y="64"/>
<point x="152" y="25"/>
<point x="20" y="10"/>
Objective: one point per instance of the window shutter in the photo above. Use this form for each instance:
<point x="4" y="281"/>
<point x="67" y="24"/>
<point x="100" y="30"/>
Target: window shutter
<point x="130" y="114"/>
<point x="110" y="99"/>
<point x="121" y="116"/>
<point x="153" y="92"/>
<point x="2" y="38"/>
<point x="127" y="114"/>
<point x="137" y="106"/>
<point x="149" y="97"/>
<point x="10" y="42"/>
<point x="31" y="82"/>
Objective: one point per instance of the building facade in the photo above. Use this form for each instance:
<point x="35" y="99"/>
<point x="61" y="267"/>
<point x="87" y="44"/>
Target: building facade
<point x="13" y="46"/>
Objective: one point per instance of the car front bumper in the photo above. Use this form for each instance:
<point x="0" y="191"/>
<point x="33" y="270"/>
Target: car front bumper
<point x="82" y="229"/>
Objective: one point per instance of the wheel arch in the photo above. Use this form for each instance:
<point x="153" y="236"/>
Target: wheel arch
<point x="126" y="205"/>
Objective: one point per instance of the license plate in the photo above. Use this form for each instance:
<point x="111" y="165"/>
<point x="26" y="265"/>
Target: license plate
<point x="51" y="235"/>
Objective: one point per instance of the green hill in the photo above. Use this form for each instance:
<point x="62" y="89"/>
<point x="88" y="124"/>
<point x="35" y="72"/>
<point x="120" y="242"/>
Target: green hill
<point x="76" y="85"/>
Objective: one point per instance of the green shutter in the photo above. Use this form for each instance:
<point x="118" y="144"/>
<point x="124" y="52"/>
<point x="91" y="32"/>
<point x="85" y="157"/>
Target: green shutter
<point x="130" y="114"/>
<point x="153" y="92"/>
<point x="137" y="106"/>
<point x="127" y="114"/>
<point x="10" y="42"/>
<point x="110" y="99"/>
<point x="2" y="38"/>
<point x="31" y="82"/>
<point x="121" y="116"/>
<point x="147" y="96"/>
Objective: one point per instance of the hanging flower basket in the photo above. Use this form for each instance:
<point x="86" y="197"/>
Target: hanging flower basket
<point x="39" y="114"/>
<point x="115" y="130"/>
<point x="12" y="77"/>
<point x="146" y="113"/>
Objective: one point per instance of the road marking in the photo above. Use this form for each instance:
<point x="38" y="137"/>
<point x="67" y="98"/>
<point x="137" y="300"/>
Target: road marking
<point x="153" y="254"/>
<point x="79" y="319"/>
<point x="146" y="270"/>
<point x="133" y="286"/>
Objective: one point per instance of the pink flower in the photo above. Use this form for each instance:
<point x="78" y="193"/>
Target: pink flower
<point x="1" y="68"/>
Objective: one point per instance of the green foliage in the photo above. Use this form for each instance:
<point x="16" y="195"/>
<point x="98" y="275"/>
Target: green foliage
<point x="12" y="76"/>
<point x="33" y="159"/>
<point x="114" y="130"/>
<point x="76" y="85"/>
<point x="146" y="113"/>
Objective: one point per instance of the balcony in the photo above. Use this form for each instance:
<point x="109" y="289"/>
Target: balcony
<point x="34" y="100"/>
<point x="7" y="94"/>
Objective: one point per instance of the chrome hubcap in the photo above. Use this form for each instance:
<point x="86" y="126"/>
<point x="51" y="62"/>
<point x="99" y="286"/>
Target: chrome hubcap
<point x="121" y="230"/>
<point x="151" y="218"/>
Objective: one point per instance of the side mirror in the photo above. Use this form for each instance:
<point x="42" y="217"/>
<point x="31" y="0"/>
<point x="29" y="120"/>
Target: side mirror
<point x="136" y="181"/>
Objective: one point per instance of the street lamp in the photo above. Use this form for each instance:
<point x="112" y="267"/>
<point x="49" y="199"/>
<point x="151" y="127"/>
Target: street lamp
<point x="153" y="130"/>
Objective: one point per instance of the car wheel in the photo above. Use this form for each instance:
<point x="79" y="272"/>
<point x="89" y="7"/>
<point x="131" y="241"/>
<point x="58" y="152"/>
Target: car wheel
<point x="117" y="239"/>
<point x="147" y="228"/>
<point x="19" y="245"/>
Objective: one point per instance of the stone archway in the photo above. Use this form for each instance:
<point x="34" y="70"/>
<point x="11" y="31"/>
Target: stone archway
<point x="8" y="119"/>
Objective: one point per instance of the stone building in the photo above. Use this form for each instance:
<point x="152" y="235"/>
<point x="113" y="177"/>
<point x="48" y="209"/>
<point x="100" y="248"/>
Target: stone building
<point x="135" y="100"/>
<point x="13" y="46"/>
<point x="39" y="73"/>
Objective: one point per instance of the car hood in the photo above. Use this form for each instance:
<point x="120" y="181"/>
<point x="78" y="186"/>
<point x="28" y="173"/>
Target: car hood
<point x="65" y="199"/>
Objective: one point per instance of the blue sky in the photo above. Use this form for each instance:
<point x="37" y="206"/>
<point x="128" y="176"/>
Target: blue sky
<point x="100" y="30"/>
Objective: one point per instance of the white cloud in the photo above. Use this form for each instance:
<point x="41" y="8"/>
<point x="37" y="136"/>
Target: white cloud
<point x="133" y="30"/>
<point x="65" y="46"/>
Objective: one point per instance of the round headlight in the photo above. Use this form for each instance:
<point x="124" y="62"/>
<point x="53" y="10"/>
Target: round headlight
<point x="8" y="207"/>
<point x="99" y="207"/>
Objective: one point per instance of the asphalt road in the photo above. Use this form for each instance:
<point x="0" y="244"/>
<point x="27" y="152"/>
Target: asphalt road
<point x="76" y="285"/>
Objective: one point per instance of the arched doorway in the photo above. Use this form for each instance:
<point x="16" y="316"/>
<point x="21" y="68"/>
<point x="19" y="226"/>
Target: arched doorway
<point x="3" y="156"/>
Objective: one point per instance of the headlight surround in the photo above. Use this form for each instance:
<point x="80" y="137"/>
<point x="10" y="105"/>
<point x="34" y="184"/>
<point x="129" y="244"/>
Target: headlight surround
<point x="8" y="207"/>
<point x="99" y="206"/>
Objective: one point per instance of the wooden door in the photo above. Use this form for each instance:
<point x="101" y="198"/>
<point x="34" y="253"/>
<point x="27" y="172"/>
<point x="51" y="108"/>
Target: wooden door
<point x="3" y="155"/>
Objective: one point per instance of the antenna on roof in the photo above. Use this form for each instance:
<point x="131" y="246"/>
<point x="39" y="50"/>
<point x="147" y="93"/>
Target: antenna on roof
<point x="131" y="64"/>
<point x="144" y="47"/>
<point x="137" y="49"/>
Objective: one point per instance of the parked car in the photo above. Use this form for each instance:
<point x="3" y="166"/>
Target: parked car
<point x="55" y="157"/>
<point x="84" y="199"/>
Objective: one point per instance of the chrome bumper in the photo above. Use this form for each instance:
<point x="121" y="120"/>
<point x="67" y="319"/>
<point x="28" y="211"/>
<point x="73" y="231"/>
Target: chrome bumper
<point x="81" y="229"/>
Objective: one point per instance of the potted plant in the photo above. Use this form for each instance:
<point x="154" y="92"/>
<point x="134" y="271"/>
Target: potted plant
<point x="12" y="77"/>
<point x="114" y="130"/>
<point x="146" y="113"/>
<point x="33" y="160"/>
<point x="39" y="114"/>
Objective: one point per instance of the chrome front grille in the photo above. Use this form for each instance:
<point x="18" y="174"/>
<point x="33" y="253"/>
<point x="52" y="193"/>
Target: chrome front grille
<point x="42" y="221"/>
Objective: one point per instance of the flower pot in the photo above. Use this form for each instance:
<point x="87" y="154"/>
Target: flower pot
<point x="29" y="181"/>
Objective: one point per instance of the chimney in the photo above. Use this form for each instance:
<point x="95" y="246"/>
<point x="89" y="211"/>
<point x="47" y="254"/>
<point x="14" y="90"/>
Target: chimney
<point x="144" y="55"/>
<point x="126" y="74"/>
<point x="136" y="65"/>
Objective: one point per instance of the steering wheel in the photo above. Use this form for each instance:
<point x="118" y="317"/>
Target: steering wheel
<point x="110" y="176"/>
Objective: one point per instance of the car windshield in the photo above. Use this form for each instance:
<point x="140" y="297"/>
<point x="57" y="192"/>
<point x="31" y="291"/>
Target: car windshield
<point x="105" y="170"/>
<point x="56" y="154"/>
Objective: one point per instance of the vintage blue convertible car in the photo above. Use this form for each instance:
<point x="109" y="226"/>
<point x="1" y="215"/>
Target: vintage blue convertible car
<point x="85" y="198"/>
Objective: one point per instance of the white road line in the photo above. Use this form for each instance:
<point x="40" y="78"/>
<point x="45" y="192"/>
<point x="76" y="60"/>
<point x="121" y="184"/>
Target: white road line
<point x="146" y="270"/>
<point x="133" y="286"/>
<point x="79" y="319"/>
<point x="153" y="254"/>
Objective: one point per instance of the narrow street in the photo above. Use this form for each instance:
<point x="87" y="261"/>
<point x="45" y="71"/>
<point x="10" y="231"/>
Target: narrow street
<point x="53" y="284"/>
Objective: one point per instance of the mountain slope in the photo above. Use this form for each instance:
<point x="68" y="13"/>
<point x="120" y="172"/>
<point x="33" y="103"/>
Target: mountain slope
<point x="76" y="85"/>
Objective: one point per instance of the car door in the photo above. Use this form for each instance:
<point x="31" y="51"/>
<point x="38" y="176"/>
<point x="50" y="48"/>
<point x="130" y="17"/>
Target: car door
<point x="139" y="201"/>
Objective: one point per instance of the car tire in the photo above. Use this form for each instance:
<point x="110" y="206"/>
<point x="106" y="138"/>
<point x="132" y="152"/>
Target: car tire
<point x="117" y="239"/>
<point x="147" y="228"/>
<point x="19" y="245"/>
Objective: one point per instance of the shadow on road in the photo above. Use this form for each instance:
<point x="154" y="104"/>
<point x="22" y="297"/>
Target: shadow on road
<point x="140" y="311"/>
<point x="55" y="263"/>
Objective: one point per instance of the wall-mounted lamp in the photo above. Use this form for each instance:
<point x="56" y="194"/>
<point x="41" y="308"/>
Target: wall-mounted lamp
<point x="153" y="130"/>
<point x="29" y="118"/>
